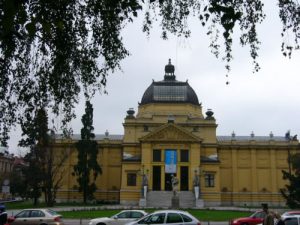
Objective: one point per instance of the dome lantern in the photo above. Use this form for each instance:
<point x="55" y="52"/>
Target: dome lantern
<point x="169" y="71"/>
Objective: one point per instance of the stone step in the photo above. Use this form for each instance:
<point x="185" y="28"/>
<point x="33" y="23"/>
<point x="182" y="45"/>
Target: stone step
<point x="159" y="199"/>
<point x="163" y="199"/>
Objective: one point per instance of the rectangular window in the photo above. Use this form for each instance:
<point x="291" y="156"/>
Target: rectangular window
<point x="131" y="179"/>
<point x="209" y="180"/>
<point x="156" y="155"/>
<point x="184" y="155"/>
<point x="170" y="93"/>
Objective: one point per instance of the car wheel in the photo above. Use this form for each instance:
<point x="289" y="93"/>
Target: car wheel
<point x="244" y="223"/>
<point x="101" y="224"/>
<point x="43" y="224"/>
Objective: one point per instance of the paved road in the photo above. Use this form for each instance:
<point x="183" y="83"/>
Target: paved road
<point x="76" y="222"/>
<point x="86" y="222"/>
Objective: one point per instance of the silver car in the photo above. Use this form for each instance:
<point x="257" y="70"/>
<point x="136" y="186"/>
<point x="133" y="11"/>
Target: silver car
<point x="36" y="217"/>
<point x="167" y="217"/>
<point x="121" y="218"/>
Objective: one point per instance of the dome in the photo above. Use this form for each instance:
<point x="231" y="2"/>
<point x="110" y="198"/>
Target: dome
<point x="169" y="90"/>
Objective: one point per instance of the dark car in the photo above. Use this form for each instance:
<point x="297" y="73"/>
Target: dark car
<point x="255" y="218"/>
<point x="292" y="220"/>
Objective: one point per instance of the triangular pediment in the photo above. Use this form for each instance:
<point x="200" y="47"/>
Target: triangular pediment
<point x="170" y="132"/>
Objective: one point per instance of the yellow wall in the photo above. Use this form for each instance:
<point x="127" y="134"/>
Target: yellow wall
<point x="246" y="172"/>
<point x="251" y="174"/>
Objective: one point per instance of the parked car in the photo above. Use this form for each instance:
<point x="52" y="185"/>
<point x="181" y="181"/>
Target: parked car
<point x="254" y="219"/>
<point x="121" y="218"/>
<point x="292" y="220"/>
<point x="161" y="217"/>
<point x="36" y="217"/>
<point x="289" y="220"/>
<point x="290" y="213"/>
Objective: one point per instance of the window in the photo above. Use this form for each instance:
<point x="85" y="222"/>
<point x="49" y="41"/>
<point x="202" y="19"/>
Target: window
<point x="156" y="155"/>
<point x="124" y="215"/>
<point x="258" y="215"/>
<point x="184" y="155"/>
<point x="23" y="214"/>
<point x="37" y="213"/>
<point x="186" y="218"/>
<point x="291" y="221"/>
<point x="174" y="218"/>
<point x="170" y="93"/>
<point x="209" y="180"/>
<point x="131" y="179"/>
<point x="136" y="214"/>
<point x="146" y="128"/>
<point x="53" y="213"/>
<point x="157" y="218"/>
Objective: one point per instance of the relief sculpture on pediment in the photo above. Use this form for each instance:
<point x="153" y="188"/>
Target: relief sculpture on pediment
<point x="170" y="134"/>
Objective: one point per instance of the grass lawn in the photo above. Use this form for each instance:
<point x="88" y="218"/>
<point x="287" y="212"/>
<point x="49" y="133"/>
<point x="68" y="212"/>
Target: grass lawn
<point x="202" y="215"/>
<point x="28" y="204"/>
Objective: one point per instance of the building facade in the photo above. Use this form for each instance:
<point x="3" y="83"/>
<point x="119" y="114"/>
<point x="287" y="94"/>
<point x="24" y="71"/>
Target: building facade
<point x="170" y="136"/>
<point x="6" y="167"/>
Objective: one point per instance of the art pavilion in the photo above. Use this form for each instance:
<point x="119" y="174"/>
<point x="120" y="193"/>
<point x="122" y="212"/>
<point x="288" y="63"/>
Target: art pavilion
<point x="170" y="135"/>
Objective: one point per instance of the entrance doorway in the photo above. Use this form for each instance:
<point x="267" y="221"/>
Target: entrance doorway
<point x="156" y="178"/>
<point x="184" y="178"/>
<point x="168" y="181"/>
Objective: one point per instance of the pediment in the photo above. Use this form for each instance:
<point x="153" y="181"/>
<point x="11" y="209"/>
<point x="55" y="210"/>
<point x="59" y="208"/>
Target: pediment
<point x="170" y="132"/>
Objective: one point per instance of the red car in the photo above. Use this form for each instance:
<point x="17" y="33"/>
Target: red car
<point x="254" y="219"/>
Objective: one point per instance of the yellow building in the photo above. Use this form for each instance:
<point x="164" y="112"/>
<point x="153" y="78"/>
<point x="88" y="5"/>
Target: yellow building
<point x="170" y="135"/>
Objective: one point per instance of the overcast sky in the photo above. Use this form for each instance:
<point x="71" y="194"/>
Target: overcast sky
<point x="261" y="102"/>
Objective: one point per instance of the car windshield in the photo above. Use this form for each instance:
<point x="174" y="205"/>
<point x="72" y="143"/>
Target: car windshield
<point x="291" y="213"/>
<point x="124" y="214"/>
<point x="136" y="215"/>
<point x="153" y="219"/>
<point x="258" y="215"/>
<point x="51" y="212"/>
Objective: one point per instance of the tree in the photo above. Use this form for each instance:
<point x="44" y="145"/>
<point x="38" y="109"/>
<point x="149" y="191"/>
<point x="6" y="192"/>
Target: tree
<point x="292" y="191"/>
<point x="36" y="133"/>
<point x="87" y="166"/>
<point x="59" y="48"/>
<point x="43" y="162"/>
<point x="18" y="183"/>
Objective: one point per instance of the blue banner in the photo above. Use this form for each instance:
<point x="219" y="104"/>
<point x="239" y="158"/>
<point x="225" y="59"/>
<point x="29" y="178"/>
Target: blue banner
<point x="170" y="161"/>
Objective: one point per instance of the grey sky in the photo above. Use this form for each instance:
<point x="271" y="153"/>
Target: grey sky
<point x="262" y="102"/>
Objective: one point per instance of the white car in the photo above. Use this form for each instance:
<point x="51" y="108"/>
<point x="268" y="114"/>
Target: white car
<point x="290" y="213"/>
<point x="289" y="219"/>
<point x="167" y="217"/>
<point x="121" y="218"/>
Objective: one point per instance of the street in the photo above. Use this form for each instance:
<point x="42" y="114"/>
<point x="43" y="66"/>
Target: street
<point x="85" y="222"/>
<point x="76" y="221"/>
